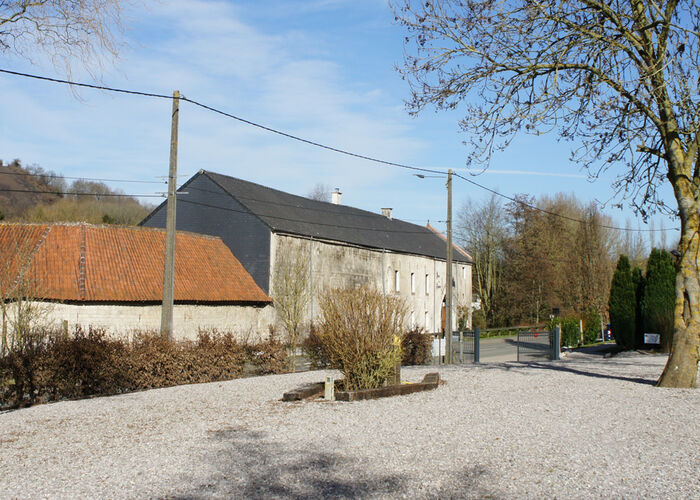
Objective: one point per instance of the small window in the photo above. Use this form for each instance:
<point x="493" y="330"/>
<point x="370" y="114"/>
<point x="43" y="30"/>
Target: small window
<point x="413" y="282"/>
<point x="396" y="281"/>
<point x="413" y="319"/>
<point x="427" y="321"/>
<point x="427" y="284"/>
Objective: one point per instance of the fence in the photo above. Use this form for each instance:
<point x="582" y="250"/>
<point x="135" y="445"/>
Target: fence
<point x="465" y="347"/>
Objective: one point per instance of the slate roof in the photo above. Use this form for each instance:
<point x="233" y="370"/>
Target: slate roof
<point x="86" y="263"/>
<point x="287" y="213"/>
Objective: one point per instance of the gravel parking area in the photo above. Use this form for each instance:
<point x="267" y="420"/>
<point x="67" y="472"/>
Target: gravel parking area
<point x="582" y="427"/>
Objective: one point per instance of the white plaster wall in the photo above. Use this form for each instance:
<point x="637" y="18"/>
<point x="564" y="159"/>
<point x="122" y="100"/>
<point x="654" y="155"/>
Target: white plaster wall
<point x="335" y="265"/>
<point x="246" y="322"/>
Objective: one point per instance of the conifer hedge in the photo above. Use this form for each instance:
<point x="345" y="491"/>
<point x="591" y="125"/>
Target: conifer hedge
<point x="659" y="296"/>
<point x="622" y="304"/>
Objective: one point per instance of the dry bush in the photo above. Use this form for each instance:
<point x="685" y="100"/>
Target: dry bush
<point x="269" y="356"/>
<point x="214" y="356"/>
<point x="360" y="334"/>
<point x="416" y="347"/>
<point x="85" y="364"/>
<point x="21" y="366"/>
<point x="314" y="349"/>
<point x="51" y="366"/>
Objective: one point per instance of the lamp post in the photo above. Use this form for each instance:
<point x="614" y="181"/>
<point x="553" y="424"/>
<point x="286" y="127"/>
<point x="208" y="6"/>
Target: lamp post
<point x="448" y="270"/>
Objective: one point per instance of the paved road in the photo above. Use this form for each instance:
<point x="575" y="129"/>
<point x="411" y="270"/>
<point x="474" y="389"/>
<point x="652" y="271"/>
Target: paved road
<point x="499" y="349"/>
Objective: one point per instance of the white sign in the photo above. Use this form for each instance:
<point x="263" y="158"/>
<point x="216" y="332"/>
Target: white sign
<point x="438" y="347"/>
<point x="652" y="338"/>
<point x="329" y="392"/>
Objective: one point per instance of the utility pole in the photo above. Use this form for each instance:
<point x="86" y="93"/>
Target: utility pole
<point x="448" y="297"/>
<point x="166" y="319"/>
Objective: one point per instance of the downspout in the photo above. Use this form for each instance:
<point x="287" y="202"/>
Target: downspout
<point x="434" y="293"/>
<point x="311" y="275"/>
<point x="383" y="274"/>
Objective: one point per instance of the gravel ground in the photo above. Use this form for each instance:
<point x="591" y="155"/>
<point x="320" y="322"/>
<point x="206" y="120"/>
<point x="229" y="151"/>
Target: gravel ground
<point x="583" y="427"/>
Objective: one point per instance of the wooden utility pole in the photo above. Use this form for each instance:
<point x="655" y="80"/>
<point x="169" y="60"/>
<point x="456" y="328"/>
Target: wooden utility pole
<point x="448" y="296"/>
<point x="166" y="319"/>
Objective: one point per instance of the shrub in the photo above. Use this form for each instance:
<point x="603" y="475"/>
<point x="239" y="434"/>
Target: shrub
<point x="269" y="356"/>
<point x="570" y="330"/>
<point x="639" y="282"/>
<point x="622" y="304"/>
<point x="416" y="347"/>
<point x="591" y="325"/>
<point x="50" y="366"/>
<point x="658" y="301"/>
<point x="314" y="350"/>
<point x="22" y="366"/>
<point x="360" y="333"/>
<point x="85" y="364"/>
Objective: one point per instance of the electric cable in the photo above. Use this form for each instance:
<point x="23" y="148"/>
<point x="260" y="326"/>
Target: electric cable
<point x="314" y="143"/>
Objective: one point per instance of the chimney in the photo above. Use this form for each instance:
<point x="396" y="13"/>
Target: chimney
<point x="386" y="212"/>
<point x="336" y="196"/>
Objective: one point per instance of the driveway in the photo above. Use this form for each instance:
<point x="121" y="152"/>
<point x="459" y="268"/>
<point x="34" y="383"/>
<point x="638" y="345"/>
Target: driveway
<point x="582" y="427"/>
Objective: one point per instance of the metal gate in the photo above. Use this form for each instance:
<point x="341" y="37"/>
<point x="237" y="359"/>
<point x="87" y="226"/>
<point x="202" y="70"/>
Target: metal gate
<point x="465" y="347"/>
<point x="538" y="346"/>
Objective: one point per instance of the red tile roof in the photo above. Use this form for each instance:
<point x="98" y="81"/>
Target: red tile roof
<point x="86" y="263"/>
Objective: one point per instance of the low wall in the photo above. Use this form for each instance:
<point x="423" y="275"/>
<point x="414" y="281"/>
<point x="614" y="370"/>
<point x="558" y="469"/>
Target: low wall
<point x="246" y="322"/>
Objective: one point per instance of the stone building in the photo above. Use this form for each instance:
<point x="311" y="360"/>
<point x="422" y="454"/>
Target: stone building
<point x="341" y="246"/>
<point x="112" y="277"/>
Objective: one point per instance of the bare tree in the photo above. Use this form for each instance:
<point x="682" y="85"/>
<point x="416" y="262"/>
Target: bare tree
<point x="291" y="295"/>
<point x="619" y="77"/>
<point x="20" y="291"/>
<point x="65" y="30"/>
<point x="320" y="192"/>
<point x="483" y="230"/>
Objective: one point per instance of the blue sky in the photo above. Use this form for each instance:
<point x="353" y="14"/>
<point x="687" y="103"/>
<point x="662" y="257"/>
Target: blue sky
<point x="322" y="69"/>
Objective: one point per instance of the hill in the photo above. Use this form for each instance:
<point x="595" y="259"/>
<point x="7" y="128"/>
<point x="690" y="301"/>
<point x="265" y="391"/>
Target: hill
<point x="33" y="194"/>
<point x="17" y="188"/>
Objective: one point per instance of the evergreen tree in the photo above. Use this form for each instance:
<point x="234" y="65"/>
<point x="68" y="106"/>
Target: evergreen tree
<point x="622" y="304"/>
<point x="639" y="283"/>
<point x="659" y="296"/>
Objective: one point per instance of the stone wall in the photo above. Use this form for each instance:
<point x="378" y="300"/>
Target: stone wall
<point x="246" y="322"/>
<point x="334" y="265"/>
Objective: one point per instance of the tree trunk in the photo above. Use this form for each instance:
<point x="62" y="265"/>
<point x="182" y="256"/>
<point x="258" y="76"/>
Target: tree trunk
<point x="682" y="367"/>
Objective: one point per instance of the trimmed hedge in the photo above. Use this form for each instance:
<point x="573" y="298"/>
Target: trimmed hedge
<point x="50" y="366"/>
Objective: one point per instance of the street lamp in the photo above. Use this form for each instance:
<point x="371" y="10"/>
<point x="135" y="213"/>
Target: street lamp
<point x="448" y="265"/>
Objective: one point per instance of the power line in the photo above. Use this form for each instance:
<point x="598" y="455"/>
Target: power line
<point x="86" y="85"/>
<point x="96" y="195"/>
<point x="549" y="212"/>
<point x="316" y="144"/>
<point x="59" y="176"/>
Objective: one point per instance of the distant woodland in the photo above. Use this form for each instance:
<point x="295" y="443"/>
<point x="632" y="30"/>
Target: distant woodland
<point x="33" y="194"/>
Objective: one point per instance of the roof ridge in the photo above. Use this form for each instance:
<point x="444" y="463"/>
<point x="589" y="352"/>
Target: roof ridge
<point x="82" y="293"/>
<point x="443" y="237"/>
<point x="327" y="204"/>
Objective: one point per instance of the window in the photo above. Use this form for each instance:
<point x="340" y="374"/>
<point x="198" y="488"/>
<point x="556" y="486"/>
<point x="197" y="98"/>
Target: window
<point x="427" y="321"/>
<point x="396" y="281"/>
<point x="427" y="284"/>
<point x="413" y="282"/>
<point x="413" y="319"/>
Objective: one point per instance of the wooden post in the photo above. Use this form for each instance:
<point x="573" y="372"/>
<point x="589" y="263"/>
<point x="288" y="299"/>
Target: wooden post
<point x="166" y="319"/>
<point x="448" y="312"/>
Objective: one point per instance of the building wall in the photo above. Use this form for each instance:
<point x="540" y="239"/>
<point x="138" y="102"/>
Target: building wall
<point x="335" y="265"/>
<point x="203" y="207"/>
<point x="246" y="322"/>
